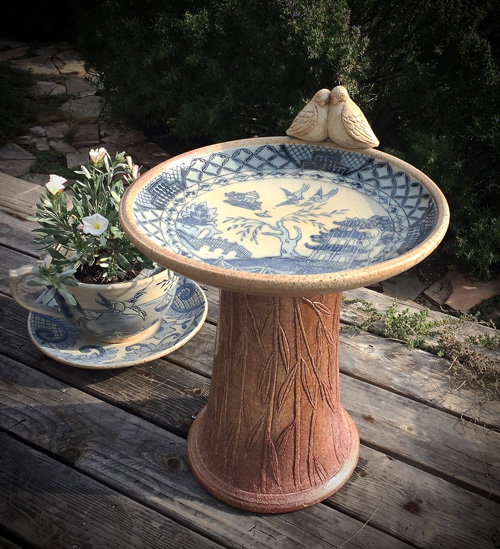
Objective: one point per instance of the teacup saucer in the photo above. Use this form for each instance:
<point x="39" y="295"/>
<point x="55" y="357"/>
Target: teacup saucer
<point x="62" y="341"/>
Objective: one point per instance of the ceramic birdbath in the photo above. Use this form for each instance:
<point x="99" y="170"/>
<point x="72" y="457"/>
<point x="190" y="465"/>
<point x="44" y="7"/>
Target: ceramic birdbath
<point x="282" y="227"/>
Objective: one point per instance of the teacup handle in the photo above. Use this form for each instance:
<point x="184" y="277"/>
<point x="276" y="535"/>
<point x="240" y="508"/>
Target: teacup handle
<point x="16" y="275"/>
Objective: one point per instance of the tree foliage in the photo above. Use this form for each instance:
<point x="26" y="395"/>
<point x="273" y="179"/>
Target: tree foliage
<point x="426" y="73"/>
<point x="213" y="70"/>
<point x="434" y="78"/>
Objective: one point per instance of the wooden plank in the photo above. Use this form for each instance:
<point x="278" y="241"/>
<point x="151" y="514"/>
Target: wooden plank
<point x="18" y="203"/>
<point x="432" y="438"/>
<point x="49" y="504"/>
<point x="356" y="314"/>
<point x="18" y="196"/>
<point x="417" y="506"/>
<point x="149" y="465"/>
<point x="9" y="259"/>
<point x="415" y="374"/>
<point x="460" y="451"/>
<point x="7" y="543"/>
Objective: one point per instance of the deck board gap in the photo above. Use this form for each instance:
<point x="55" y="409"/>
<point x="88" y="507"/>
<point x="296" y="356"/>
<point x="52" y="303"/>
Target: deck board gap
<point x="356" y="516"/>
<point x="469" y="486"/>
<point x="434" y="405"/>
<point x="9" y="540"/>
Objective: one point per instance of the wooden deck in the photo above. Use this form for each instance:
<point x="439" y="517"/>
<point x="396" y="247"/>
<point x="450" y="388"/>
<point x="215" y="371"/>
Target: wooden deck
<point x="97" y="458"/>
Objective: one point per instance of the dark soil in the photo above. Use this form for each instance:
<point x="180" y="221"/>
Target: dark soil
<point x="93" y="274"/>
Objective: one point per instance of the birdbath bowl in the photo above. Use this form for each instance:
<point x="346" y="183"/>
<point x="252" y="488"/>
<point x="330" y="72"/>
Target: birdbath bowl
<point x="282" y="227"/>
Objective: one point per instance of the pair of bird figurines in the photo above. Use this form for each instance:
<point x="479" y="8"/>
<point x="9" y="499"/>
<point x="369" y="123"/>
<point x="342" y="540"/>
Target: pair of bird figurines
<point x="335" y="115"/>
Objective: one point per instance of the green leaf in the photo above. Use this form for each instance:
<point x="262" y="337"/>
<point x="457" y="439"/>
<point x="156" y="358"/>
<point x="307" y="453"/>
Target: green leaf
<point x="67" y="296"/>
<point x="48" y="296"/>
<point x="40" y="282"/>
<point x="56" y="254"/>
<point x="123" y="262"/>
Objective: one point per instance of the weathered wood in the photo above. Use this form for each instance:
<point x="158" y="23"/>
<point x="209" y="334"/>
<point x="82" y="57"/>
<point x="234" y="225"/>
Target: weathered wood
<point x="18" y="203"/>
<point x="417" y="506"/>
<point x="391" y="410"/>
<point x="431" y="438"/>
<point x="461" y="451"/>
<point x="37" y="491"/>
<point x="356" y="314"/>
<point x="7" y="543"/>
<point x="147" y="463"/>
<point x="415" y="374"/>
<point x="9" y="259"/>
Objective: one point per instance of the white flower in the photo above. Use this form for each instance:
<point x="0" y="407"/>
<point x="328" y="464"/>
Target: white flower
<point x="96" y="155"/>
<point x="55" y="184"/>
<point x="94" y="224"/>
<point x="135" y="171"/>
<point x="129" y="162"/>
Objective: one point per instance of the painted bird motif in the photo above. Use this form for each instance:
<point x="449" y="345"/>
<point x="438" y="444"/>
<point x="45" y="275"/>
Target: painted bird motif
<point x="311" y="122"/>
<point x="347" y="125"/>
<point x="123" y="307"/>
<point x="294" y="198"/>
<point x="318" y="196"/>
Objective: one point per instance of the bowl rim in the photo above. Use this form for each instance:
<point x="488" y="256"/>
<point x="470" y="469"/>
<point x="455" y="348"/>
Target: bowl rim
<point x="282" y="284"/>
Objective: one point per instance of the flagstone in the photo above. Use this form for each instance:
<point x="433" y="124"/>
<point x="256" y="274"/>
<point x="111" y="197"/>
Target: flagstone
<point x="36" y="178"/>
<point x="38" y="131"/>
<point x="42" y="144"/>
<point x="79" y="87"/>
<point x="74" y="160"/>
<point x="14" y="53"/>
<point x="73" y="67"/>
<point x="468" y="291"/>
<point x="87" y="107"/>
<point x="86" y="135"/>
<point x="47" y="88"/>
<point x="406" y="286"/>
<point x="439" y="292"/>
<point x="62" y="146"/>
<point x="68" y="55"/>
<point x="38" y="65"/>
<point x="57" y="130"/>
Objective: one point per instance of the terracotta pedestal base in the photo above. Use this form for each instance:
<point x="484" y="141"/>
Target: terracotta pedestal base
<point x="273" y="436"/>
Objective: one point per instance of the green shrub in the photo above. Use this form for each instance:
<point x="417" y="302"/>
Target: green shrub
<point x="426" y="74"/>
<point x="214" y="70"/>
<point x="434" y="77"/>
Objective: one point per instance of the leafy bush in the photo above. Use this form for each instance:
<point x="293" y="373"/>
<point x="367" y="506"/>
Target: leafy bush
<point x="434" y="78"/>
<point x="214" y="70"/>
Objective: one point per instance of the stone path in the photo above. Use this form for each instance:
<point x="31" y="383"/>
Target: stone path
<point x="79" y="123"/>
<point x="81" y="126"/>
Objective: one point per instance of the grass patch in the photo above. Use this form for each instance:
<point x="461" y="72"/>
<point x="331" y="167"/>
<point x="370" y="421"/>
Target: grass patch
<point x="470" y="363"/>
<point x="47" y="108"/>
<point x="488" y="310"/>
<point x="51" y="162"/>
<point x="17" y="109"/>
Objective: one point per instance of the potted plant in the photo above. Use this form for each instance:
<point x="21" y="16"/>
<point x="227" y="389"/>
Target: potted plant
<point x="100" y="281"/>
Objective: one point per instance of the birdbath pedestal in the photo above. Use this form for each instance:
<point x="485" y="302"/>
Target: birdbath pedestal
<point x="282" y="227"/>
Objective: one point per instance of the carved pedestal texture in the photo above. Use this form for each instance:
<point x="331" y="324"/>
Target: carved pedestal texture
<point x="273" y="436"/>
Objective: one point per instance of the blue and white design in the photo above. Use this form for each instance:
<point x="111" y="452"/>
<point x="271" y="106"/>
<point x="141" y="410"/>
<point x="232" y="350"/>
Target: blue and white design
<point x="183" y="317"/>
<point x="285" y="209"/>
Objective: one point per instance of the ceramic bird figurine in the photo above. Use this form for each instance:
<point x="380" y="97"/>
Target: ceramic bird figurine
<point x="347" y="125"/>
<point x="311" y="122"/>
